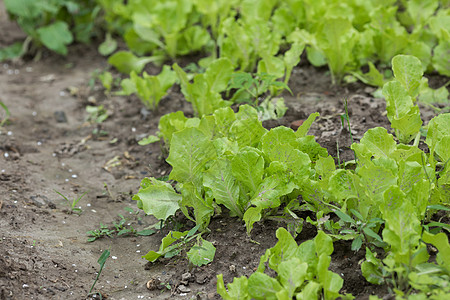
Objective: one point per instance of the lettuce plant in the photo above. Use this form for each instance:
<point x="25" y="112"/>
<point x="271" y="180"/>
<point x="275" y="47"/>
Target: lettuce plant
<point x="401" y="94"/>
<point x="302" y="272"/>
<point x="149" y="89"/>
<point x="54" y="24"/>
<point x="231" y="160"/>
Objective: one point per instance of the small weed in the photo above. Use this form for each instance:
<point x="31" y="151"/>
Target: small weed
<point x="101" y="261"/>
<point x="249" y="88"/>
<point x="119" y="228"/>
<point x="73" y="203"/>
<point x="97" y="114"/>
<point x="7" y="114"/>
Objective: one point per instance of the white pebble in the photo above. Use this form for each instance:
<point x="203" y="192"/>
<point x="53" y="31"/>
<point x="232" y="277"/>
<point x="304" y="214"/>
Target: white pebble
<point x="114" y="257"/>
<point x="39" y="143"/>
<point x="66" y="180"/>
<point x="25" y="285"/>
<point x="62" y="93"/>
<point x="9" y="133"/>
<point x="88" y="205"/>
<point x="6" y="154"/>
<point x="133" y="129"/>
<point x="74" y="176"/>
<point x="34" y="114"/>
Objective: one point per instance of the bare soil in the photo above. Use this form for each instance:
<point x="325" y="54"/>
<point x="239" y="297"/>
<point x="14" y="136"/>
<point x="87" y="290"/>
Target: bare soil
<point x="48" y="145"/>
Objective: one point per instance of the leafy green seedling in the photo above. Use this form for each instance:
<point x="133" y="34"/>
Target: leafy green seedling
<point x="249" y="88"/>
<point x="97" y="114"/>
<point x="73" y="203"/>
<point x="106" y="79"/>
<point x="101" y="261"/>
<point x="7" y="114"/>
<point x="201" y="253"/>
<point x="362" y="231"/>
<point x="122" y="227"/>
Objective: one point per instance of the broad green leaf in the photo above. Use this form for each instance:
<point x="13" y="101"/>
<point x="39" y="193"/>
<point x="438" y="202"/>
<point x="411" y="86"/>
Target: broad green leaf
<point x="283" y="250"/>
<point x="398" y="101"/>
<point x="25" y="8"/>
<point x="126" y="62"/>
<point x="56" y="36"/>
<point x="402" y="232"/>
<point x="202" y="253"/>
<point x="437" y="136"/>
<point x="304" y="128"/>
<point x="224" y="117"/>
<point x="251" y="215"/>
<point x="336" y="39"/>
<point x="263" y="287"/>
<point x="247" y="130"/>
<point x="408" y="71"/>
<point x="218" y="74"/>
<point x="292" y="58"/>
<point x="310" y="291"/>
<point x="224" y="187"/>
<point x="12" y="51"/>
<point x="248" y="167"/>
<point x="202" y="207"/>
<point x="271" y="189"/>
<point x="166" y="245"/>
<point x="374" y="180"/>
<point x="309" y="146"/>
<point x="238" y="289"/>
<point x="325" y="166"/>
<point x="440" y="241"/>
<point x="292" y="274"/>
<point x="341" y="185"/>
<point x="408" y="126"/>
<point x="190" y="151"/>
<point x="108" y="46"/>
<point x="440" y="56"/>
<point x="323" y="244"/>
<point x="371" y="268"/>
<point x="158" y="198"/>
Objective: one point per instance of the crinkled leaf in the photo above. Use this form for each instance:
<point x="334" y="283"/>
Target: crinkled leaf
<point x="238" y="289"/>
<point x="292" y="274"/>
<point x="263" y="287"/>
<point x="224" y="186"/>
<point x="190" y="151"/>
<point x="251" y="215"/>
<point x="378" y="142"/>
<point x="202" y="253"/>
<point x="125" y="62"/>
<point x="248" y="167"/>
<point x="408" y="71"/>
<point x="159" y="199"/>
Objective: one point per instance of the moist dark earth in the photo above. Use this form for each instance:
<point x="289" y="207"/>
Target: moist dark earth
<point x="49" y="145"/>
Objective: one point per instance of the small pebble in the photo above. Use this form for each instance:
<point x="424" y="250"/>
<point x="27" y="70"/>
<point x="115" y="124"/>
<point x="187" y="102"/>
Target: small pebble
<point x="114" y="257"/>
<point x="9" y="133"/>
<point x="6" y="154"/>
<point x="74" y="176"/>
<point x="34" y="114"/>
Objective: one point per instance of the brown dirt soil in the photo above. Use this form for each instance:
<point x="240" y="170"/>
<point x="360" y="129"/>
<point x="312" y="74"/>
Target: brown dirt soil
<point x="48" y="145"/>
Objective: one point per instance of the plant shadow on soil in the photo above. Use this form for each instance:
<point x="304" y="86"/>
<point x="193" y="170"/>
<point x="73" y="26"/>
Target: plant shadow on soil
<point x="44" y="253"/>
